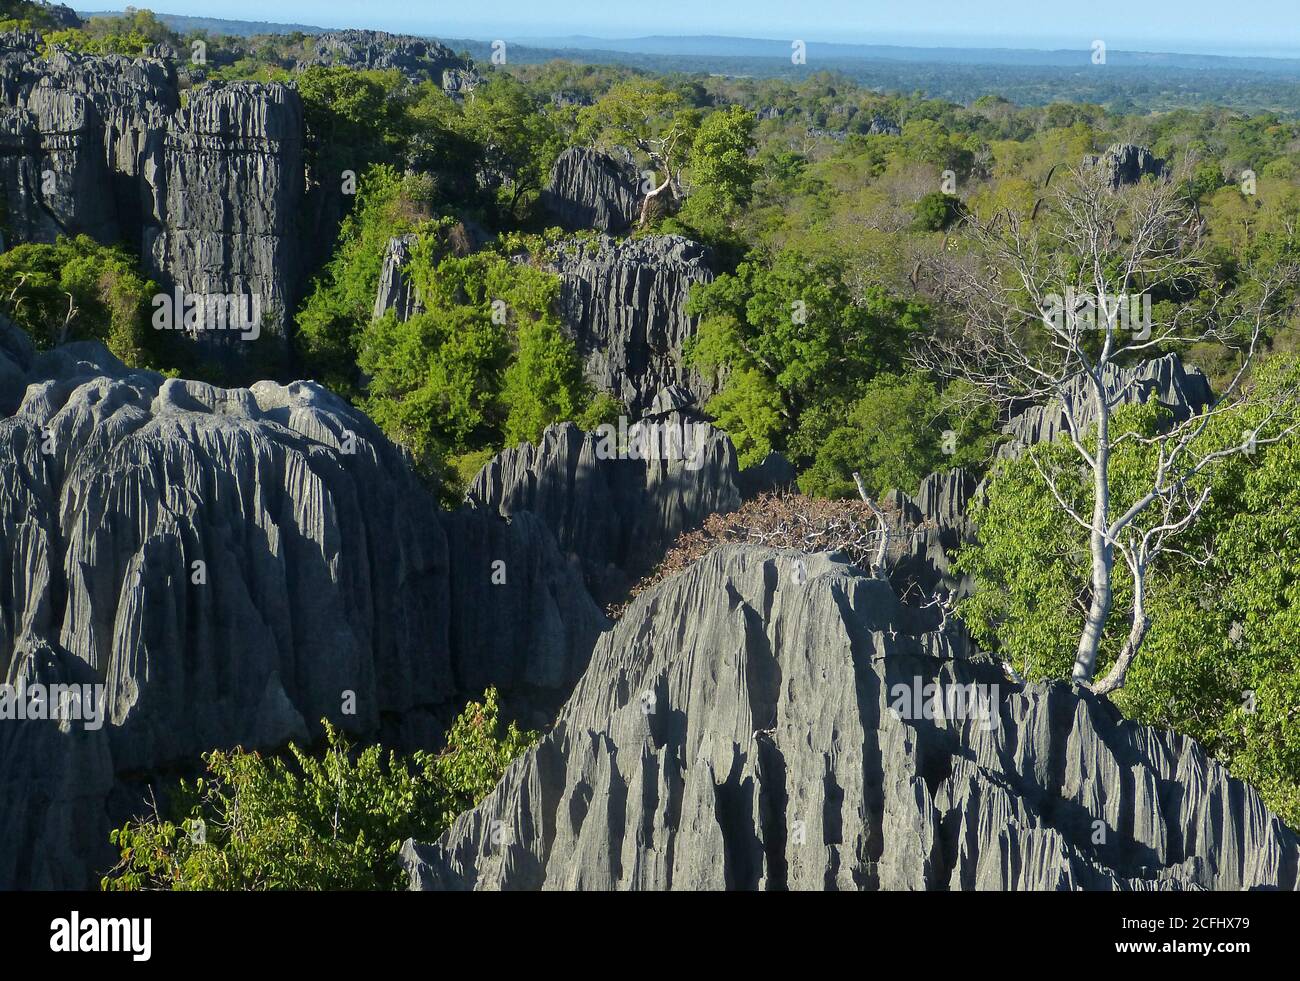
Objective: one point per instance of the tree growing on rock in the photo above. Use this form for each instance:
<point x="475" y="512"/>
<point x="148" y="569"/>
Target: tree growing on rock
<point x="1051" y="308"/>
<point x="654" y="118"/>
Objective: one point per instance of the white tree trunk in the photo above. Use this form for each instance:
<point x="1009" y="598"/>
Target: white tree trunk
<point x="1101" y="548"/>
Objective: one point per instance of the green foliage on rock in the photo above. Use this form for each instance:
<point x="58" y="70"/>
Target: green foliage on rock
<point x="485" y="363"/>
<point x="1219" y="662"/>
<point x="798" y="345"/>
<point x="342" y="298"/>
<point x="78" y="290"/>
<point x="329" y="821"/>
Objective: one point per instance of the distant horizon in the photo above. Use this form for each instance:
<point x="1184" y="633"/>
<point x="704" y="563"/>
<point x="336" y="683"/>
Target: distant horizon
<point x="1258" y="28"/>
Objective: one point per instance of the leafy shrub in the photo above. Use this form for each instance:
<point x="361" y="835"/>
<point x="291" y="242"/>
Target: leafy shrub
<point x="76" y="290"/>
<point x="335" y="821"/>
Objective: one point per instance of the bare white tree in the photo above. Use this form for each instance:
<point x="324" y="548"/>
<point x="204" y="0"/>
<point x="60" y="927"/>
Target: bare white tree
<point x="1052" y="307"/>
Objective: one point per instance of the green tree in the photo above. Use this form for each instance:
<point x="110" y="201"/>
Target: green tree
<point x="342" y="298"/>
<point x="334" y="821"/>
<point x="649" y="116"/>
<point x="1219" y="661"/>
<point x="722" y="172"/>
<point x="798" y="347"/>
<point x="900" y="431"/>
<point x="519" y="143"/>
<point x="485" y="361"/>
<point x="543" y="383"/>
<point x="78" y="290"/>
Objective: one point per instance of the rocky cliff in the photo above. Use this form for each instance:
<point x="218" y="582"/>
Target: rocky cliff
<point x="1125" y="163"/>
<point x="624" y="303"/>
<point x="232" y="566"/>
<point x="226" y="200"/>
<point x="614" y="512"/>
<point x="1184" y="391"/>
<point x="592" y="189"/>
<point x="208" y="194"/>
<point x="418" y="59"/>
<point x="787" y="740"/>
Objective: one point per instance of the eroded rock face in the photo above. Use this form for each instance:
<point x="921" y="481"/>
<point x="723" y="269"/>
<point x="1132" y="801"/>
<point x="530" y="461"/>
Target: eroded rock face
<point x="615" y="516"/>
<point x="232" y="566"/>
<point x="419" y="59"/>
<point x="1182" y="390"/>
<point x="209" y="194"/>
<point x="226" y="203"/>
<point x="79" y="134"/>
<point x="624" y="303"/>
<point x="396" y="291"/>
<point x="781" y="742"/>
<point x="1125" y="163"/>
<point x="592" y="189"/>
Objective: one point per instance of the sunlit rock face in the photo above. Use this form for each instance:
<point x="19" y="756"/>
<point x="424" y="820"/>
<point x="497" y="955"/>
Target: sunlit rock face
<point x="624" y="304"/>
<point x="763" y="721"/>
<point x="232" y="566"/>
<point x="593" y="189"/>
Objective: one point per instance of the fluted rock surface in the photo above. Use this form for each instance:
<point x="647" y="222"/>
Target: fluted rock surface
<point x="1125" y="163"/>
<point x="782" y="742"/>
<point x="79" y="133"/>
<point x="1185" y="391"/>
<point x="396" y="291"/>
<point x="418" y="59"/>
<point x="209" y="194"/>
<point x="226" y="201"/>
<point x="624" y="303"/>
<point x="233" y="565"/>
<point x="926" y="532"/>
<point x="615" y="514"/>
<point x="592" y="189"/>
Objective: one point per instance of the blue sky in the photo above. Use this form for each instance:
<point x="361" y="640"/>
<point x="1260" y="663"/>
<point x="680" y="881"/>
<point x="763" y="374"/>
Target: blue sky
<point x="1264" y="27"/>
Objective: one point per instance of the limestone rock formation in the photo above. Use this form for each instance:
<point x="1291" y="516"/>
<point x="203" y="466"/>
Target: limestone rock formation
<point x="615" y="514"/>
<point x="592" y="189"/>
<point x="624" y="303"/>
<point x="230" y="564"/>
<point x="926" y="532"/>
<point x="208" y="194"/>
<point x="396" y="291"/>
<point x="1125" y="163"/>
<point x="1184" y="391"/>
<point x="786" y="740"/>
<point x="79" y="133"/>
<point x="418" y="59"/>
<point x="226" y="200"/>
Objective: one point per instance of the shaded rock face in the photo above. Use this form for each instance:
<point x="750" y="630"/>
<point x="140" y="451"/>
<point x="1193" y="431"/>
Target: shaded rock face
<point x="616" y="517"/>
<point x="232" y="566"/>
<point x="782" y="742"/>
<point x="209" y="195"/>
<point x="78" y="133"/>
<point x="624" y="304"/>
<point x="1128" y="164"/>
<point x="926" y="532"/>
<point x="396" y="291"/>
<point x="591" y="189"/>
<point x="226" y="201"/>
<point x="418" y="59"/>
<point x="1182" y="390"/>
